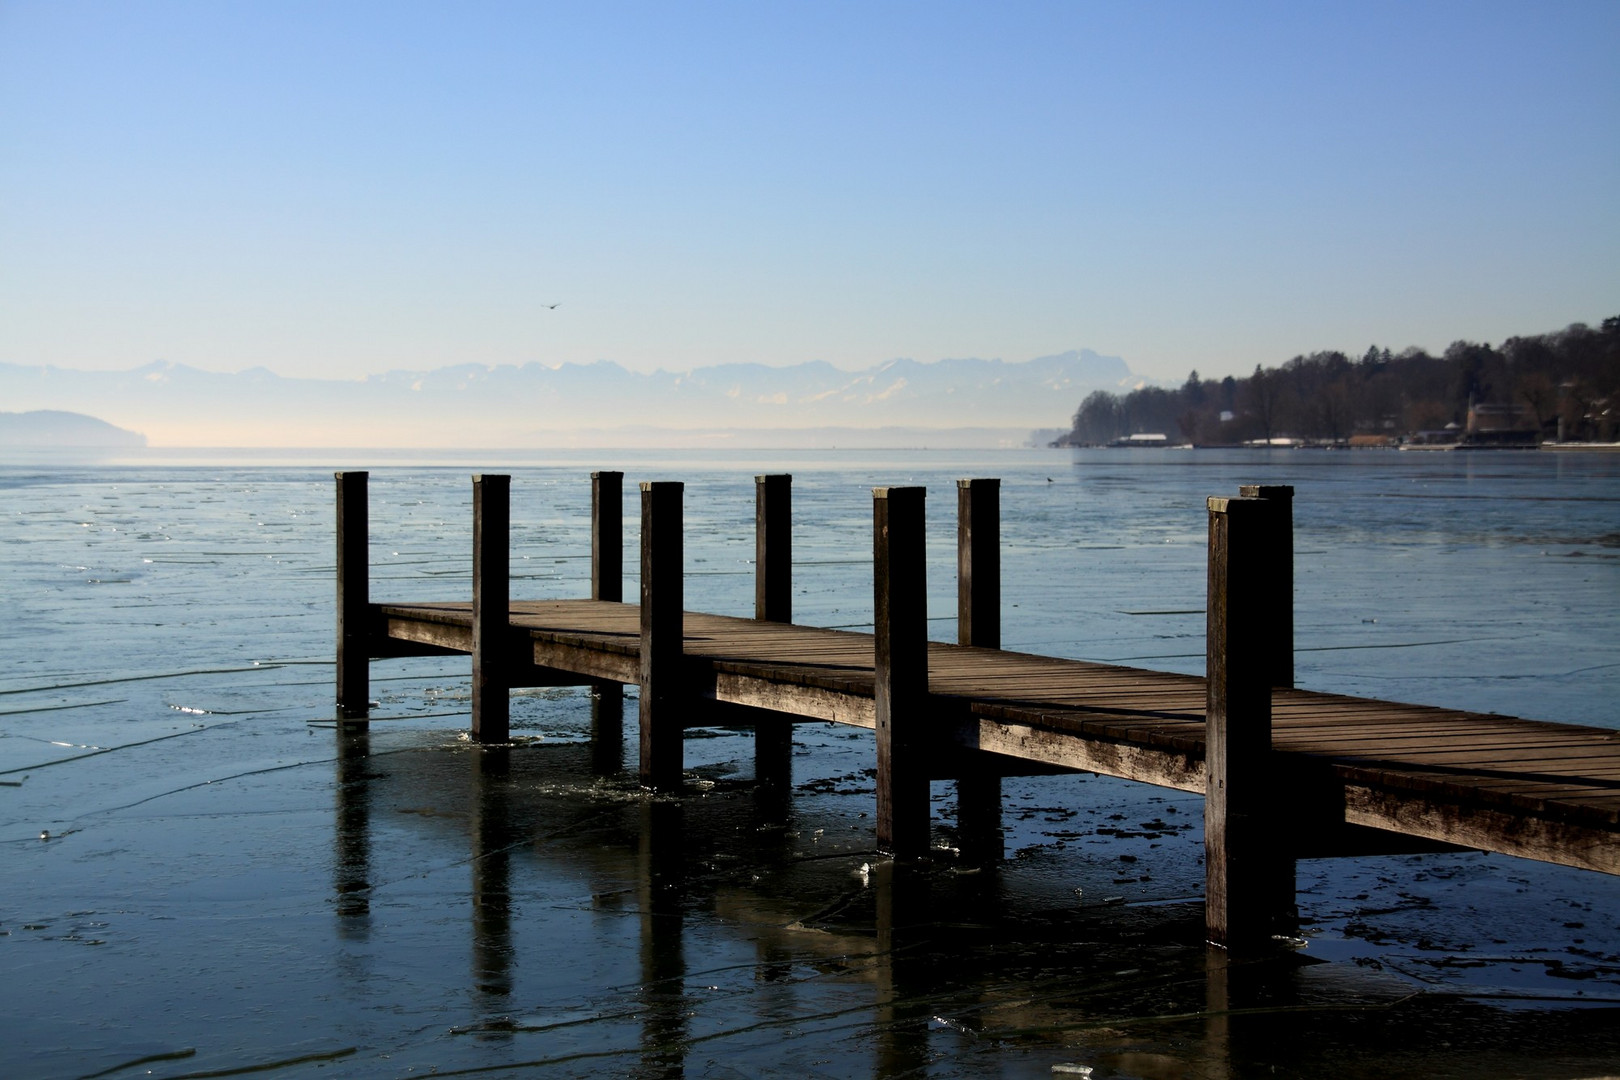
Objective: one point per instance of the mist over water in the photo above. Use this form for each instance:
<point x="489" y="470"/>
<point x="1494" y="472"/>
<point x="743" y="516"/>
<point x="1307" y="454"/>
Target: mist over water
<point x="230" y="883"/>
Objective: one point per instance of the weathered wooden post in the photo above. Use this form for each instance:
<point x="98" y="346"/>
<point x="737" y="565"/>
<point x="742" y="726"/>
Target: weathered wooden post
<point x="1248" y="863"/>
<point x="607" y="583"/>
<point x="773" y="548"/>
<point x="773" y="602"/>
<point x="661" y="627"/>
<point x="491" y="608"/>
<point x="1277" y="588"/>
<point x="353" y="598"/>
<point x="900" y="691"/>
<point x="607" y="536"/>
<point x="978" y="622"/>
<point x="978" y="563"/>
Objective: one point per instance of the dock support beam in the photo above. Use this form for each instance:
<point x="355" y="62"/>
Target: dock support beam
<point x="491" y="608"/>
<point x="662" y="602"/>
<point x="900" y="689"/>
<point x="1248" y="856"/>
<point x="1277" y="586"/>
<point x="978" y="622"/>
<point x="607" y="583"/>
<point x="353" y="597"/>
<point x="773" y="602"/>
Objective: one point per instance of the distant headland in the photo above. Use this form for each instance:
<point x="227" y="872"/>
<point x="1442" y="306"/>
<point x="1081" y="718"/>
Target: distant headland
<point x="1555" y="389"/>
<point x="53" y="429"/>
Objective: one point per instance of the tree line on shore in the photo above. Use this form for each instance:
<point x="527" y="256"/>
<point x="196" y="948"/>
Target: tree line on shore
<point x="1563" y="385"/>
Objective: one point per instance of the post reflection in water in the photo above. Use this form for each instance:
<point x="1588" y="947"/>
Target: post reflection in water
<point x="1217" y="1013"/>
<point x="351" y="883"/>
<point x="662" y="884"/>
<point x="903" y="985"/>
<point x="1242" y="996"/>
<point x="493" y="837"/>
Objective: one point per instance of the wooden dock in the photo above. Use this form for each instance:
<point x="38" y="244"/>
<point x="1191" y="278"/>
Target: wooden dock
<point x="1287" y="773"/>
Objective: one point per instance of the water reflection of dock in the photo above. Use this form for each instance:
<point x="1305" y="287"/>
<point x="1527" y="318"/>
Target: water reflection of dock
<point x="1286" y="773"/>
<point x="667" y="960"/>
<point x="923" y="945"/>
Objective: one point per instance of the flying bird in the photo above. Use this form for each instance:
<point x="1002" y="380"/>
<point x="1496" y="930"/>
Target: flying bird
<point x="550" y="307"/>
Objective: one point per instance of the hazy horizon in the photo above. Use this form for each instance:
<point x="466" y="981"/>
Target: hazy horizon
<point x="957" y="402"/>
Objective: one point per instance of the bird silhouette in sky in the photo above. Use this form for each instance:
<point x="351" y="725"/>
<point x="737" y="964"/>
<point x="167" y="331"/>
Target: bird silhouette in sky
<point x="551" y="307"/>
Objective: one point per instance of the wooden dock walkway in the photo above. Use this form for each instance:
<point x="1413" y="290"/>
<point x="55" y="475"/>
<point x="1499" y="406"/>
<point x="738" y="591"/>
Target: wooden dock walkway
<point x="1287" y="773"/>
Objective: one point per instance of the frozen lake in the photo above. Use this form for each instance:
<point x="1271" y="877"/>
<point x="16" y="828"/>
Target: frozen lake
<point x="230" y="884"/>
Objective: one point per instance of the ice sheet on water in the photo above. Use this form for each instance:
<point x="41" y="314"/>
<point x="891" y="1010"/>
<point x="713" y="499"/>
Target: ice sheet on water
<point x="265" y="883"/>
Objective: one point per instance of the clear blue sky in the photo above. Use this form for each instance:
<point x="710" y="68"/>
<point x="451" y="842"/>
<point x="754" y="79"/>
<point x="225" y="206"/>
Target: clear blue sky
<point x="341" y="188"/>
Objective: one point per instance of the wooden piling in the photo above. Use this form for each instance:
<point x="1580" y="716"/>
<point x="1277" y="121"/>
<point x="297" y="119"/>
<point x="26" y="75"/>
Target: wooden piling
<point x="773" y="547"/>
<point x="491" y="608"/>
<point x="607" y="536"/>
<point x="978" y="622"/>
<point x="978" y="563"/>
<point x="353" y="597"/>
<point x="661" y="627"/>
<point x="1277" y="586"/>
<point x="900" y="689"/>
<point x="773" y="602"/>
<point x="1248" y="864"/>
<point x="607" y="583"/>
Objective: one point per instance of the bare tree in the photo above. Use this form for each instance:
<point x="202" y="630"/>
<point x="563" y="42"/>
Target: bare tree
<point x="1263" y="393"/>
